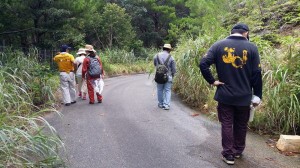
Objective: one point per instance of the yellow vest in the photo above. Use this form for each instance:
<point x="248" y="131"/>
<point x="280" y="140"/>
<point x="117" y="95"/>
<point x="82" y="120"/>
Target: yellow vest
<point x="65" y="62"/>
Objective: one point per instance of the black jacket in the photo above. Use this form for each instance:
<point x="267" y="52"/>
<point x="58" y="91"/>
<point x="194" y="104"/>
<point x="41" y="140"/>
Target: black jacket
<point x="238" y="66"/>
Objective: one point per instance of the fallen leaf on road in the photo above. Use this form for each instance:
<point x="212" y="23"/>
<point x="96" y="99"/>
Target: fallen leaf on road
<point x="289" y="153"/>
<point x="270" y="159"/>
<point x="195" y="114"/>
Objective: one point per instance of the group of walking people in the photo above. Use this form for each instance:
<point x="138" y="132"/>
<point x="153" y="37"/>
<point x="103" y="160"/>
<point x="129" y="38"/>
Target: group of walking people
<point x="86" y="71"/>
<point x="239" y="83"/>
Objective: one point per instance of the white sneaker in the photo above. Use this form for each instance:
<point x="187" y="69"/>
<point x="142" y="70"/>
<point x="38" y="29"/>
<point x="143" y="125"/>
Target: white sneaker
<point x="229" y="160"/>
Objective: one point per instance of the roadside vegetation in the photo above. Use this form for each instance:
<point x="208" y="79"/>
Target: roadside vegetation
<point x="127" y="34"/>
<point x="122" y="62"/>
<point x="27" y="90"/>
<point x="277" y="35"/>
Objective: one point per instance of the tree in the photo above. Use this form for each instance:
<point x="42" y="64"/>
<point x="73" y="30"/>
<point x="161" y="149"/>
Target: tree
<point x="116" y="25"/>
<point x="150" y="19"/>
<point x="47" y="23"/>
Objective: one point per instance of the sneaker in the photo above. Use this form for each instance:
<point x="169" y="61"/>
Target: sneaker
<point x="67" y="104"/>
<point x="99" y="97"/>
<point x="166" y="108"/>
<point x="91" y="102"/>
<point x="229" y="159"/>
<point x="237" y="155"/>
<point x="161" y="106"/>
<point x="79" y="94"/>
<point x="73" y="102"/>
<point x="84" y="96"/>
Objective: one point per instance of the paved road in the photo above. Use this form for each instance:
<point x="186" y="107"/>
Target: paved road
<point x="128" y="131"/>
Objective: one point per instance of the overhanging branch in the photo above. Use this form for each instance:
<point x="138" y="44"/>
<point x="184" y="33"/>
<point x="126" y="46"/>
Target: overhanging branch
<point x="16" y="31"/>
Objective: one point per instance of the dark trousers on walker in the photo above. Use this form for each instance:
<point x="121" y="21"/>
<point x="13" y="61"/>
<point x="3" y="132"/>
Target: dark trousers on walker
<point x="234" y="121"/>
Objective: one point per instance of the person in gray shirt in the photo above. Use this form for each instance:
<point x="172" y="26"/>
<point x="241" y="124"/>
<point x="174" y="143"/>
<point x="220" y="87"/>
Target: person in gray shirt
<point x="164" y="90"/>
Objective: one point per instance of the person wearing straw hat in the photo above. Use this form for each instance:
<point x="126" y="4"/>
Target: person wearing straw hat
<point x="239" y="85"/>
<point x="82" y="88"/>
<point x="164" y="89"/>
<point x="66" y="68"/>
<point x="92" y="71"/>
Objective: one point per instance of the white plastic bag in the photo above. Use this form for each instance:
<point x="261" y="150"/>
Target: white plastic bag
<point x="101" y="85"/>
<point x="252" y="111"/>
<point x="254" y="100"/>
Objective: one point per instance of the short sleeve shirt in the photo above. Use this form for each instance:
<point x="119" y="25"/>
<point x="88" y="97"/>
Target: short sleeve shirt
<point x="79" y="63"/>
<point x="65" y="62"/>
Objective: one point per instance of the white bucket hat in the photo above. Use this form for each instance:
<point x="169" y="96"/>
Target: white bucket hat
<point x="168" y="46"/>
<point x="81" y="51"/>
<point x="89" y="48"/>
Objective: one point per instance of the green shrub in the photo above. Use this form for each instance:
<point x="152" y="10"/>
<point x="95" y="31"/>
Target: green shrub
<point x="116" y="62"/>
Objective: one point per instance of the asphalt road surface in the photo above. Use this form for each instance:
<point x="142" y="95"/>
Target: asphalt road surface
<point x="128" y="130"/>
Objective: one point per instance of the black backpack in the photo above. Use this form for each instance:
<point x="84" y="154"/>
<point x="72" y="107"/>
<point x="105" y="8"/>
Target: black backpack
<point x="161" y="75"/>
<point x="94" y="69"/>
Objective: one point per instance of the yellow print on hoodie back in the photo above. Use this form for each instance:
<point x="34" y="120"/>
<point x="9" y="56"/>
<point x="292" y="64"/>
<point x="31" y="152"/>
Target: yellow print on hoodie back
<point x="235" y="61"/>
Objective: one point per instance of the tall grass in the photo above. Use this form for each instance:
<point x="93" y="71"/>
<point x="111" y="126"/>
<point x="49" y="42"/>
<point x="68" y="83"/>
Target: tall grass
<point x="280" y="112"/>
<point x="189" y="82"/>
<point x="24" y="144"/>
<point x="24" y="93"/>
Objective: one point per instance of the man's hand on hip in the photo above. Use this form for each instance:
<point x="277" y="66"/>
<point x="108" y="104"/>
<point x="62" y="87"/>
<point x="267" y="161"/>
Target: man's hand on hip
<point x="217" y="83"/>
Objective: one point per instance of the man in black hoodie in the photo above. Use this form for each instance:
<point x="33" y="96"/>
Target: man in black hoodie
<point x="239" y="83"/>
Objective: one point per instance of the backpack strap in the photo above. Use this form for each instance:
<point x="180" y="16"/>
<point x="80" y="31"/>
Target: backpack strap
<point x="159" y="62"/>
<point x="78" y="65"/>
<point x="167" y="60"/>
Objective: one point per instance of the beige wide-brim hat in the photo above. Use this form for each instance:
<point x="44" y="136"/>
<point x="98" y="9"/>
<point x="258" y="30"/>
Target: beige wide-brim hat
<point x="81" y="51"/>
<point x="168" y="46"/>
<point x="89" y="48"/>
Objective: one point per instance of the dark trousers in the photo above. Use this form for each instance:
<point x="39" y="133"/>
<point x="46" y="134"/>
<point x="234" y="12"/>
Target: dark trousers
<point x="234" y="121"/>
